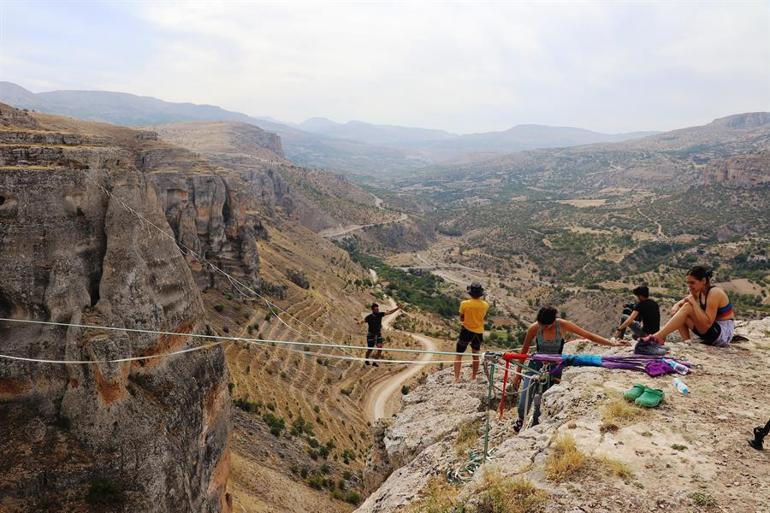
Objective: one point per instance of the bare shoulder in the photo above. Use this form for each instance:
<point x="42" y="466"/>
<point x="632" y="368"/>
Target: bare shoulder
<point x="718" y="294"/>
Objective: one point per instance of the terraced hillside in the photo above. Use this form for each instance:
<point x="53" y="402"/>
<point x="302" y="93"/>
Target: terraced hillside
<point x="319" y="454"/>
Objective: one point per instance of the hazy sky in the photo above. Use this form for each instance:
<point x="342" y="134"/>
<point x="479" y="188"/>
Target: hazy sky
<point x="464" y="67"/>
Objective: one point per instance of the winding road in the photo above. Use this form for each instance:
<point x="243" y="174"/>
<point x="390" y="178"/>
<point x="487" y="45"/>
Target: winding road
<point x="376" y="402"/>
<point x="339" y="231"/>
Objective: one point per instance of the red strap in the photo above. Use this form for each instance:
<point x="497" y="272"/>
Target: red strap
<point x="505" y="385"/>
<point x="515" y="356"/>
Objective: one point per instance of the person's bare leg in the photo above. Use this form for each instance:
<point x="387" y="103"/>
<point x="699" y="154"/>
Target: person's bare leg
<point x="475" y="365"/>
<point x="379" y="352"/>
<point x="678" y="321"/>
<point x="458" y="364"/>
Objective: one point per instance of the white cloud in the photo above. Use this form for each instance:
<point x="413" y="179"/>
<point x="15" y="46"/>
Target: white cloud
<point x="459" y="66"/>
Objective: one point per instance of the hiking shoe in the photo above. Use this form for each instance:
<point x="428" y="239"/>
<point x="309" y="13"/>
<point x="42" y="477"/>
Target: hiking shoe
<point x="517" y="425"/>
<point x="634" y="392"/>
<point x="375" y="364"/>
<point x="650" y="398"/>
<point x="648" y="346"/>
<point x="652" y="339"/>
<point x="366" y="362"/>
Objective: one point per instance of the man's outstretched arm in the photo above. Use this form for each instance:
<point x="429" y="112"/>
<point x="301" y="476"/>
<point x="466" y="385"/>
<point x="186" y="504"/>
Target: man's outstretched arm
<point x="396" y="309"/>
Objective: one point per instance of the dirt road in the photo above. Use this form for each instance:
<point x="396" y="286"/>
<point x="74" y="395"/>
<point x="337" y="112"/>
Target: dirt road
<point x="339" y="231"/>
<point x="376" y="402"/>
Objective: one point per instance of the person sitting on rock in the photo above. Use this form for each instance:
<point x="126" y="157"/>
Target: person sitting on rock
<point x="472" y="314"/>
<point x="644" y="318"/>
<point x="548" y="332"/>
<point x="706" y="311"/>
<point x="374" y="333"/>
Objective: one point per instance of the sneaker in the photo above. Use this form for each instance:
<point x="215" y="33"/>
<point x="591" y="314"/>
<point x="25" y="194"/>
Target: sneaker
<point x="375" y="364"/>
<point x="517" y="425"/>
<point x="366" y="362"/>
<point x="648" y="346"/>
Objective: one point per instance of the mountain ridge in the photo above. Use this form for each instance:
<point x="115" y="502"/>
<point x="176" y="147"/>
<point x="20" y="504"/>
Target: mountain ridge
<point x="355" y="147"/>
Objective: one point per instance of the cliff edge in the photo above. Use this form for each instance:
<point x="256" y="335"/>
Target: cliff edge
<point x="592" y="451"/>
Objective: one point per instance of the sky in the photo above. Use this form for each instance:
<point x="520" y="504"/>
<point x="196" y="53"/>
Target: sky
<point x="463" y="67"/>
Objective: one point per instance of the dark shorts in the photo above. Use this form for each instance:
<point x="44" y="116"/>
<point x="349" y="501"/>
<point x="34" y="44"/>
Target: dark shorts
<point x="468" y="337"/>
<point x="719" y="334"/>
<point x="373" y="339"/>
<point x="711" y="335"/>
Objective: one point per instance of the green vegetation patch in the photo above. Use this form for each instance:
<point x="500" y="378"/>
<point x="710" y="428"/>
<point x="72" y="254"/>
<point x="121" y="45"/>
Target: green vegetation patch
<point x="415" y="286"/>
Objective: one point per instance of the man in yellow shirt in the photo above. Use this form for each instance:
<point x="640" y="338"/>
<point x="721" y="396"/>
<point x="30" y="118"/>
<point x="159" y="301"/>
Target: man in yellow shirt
<point x="472" y="313"/>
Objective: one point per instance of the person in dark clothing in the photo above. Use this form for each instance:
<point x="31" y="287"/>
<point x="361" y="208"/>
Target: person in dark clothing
<point x="374" y="333"/>
<point x="759" y="436"/>
<point x="644" y="318"/>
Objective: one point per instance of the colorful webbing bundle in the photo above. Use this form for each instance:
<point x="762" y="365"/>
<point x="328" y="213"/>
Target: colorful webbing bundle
<point x="635" y="362"/>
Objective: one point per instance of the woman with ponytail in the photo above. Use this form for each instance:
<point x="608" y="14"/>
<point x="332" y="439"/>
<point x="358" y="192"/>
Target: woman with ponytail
<point x="706" y="311"/>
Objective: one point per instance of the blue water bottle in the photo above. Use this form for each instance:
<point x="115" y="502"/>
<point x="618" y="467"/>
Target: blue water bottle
<point x="678" y="367"/>
<point x="679" y="384"/>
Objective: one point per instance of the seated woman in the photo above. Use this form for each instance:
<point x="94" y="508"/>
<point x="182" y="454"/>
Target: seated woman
<point x="548" y="333"/>
<point x="707" y="311"/>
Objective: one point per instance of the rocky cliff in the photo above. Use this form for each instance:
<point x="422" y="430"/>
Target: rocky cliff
<point x="752" y="169"/>
<point x="316" y="199"/>
<point x="592" y="451"/>
<point x="138" y="436"/>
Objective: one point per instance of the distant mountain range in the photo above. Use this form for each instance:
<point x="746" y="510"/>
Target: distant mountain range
<point x="355" y="147"/>
<point x="519" y="137"/>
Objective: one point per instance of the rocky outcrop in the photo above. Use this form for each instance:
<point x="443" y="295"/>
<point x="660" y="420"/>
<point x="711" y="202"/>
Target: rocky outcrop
<point x="690" y="449"/>
<point x="139" y="436"/>
<point x="753" y="169"/>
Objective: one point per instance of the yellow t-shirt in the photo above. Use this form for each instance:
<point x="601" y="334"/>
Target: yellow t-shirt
<point x="473" y="311"/>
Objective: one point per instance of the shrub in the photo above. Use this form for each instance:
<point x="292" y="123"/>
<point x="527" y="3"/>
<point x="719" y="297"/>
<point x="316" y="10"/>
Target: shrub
<point x="247" y="406"/>
<point x="615" y="467"/>
<point x="276" y="424"/>
<point x="703" y="499"/>
<point x="500" y="494"/>
<point x="298" y="278"/>
<point x="565" y="460"/>
<point x="352" y="497"/>
<point x="316" y="482"/>
<point x="439" y="497"/>
<point x="301" y="426"/>
<point x="348" y="455"/>
<point x="219" y="307"/>
<point x="619" y="411"/>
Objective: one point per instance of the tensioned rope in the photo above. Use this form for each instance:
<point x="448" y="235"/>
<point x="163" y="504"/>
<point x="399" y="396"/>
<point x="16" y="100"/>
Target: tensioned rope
<point x="116" y="360"/>
<point x="261" y="341"/>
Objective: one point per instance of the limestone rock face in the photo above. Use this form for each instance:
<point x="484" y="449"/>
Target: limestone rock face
<point x="156" y="431"/>
<point x="753" y="169"/>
